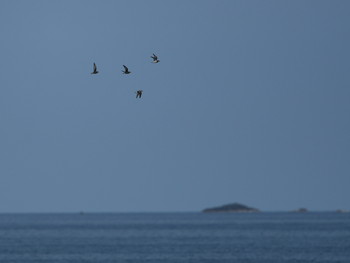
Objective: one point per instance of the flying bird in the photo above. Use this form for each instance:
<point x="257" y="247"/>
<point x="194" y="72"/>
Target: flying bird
<point x="95" y="70"/>
<point x="155" y="59"/>
<point x="126" y="70"/>
<point x="139" y="93"/>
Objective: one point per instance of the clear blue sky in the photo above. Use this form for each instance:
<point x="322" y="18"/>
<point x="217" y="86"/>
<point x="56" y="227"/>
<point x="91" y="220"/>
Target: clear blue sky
<point x="250" y="103"/>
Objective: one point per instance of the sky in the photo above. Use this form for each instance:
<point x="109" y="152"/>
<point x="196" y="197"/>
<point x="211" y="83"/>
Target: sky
<point x="249" y="104"/>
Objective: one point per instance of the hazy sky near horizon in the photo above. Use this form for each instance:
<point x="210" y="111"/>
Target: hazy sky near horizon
<point x="249" y="104"/>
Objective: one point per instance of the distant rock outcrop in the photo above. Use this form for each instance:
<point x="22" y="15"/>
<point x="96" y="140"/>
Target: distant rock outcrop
<point x="342" y="211"/>
<point x="235" y="207"/>
<point x="301" y="210"/>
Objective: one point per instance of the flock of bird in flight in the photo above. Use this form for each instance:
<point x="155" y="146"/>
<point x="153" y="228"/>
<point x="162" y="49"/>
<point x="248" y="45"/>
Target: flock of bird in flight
<point x="126" y="71"/>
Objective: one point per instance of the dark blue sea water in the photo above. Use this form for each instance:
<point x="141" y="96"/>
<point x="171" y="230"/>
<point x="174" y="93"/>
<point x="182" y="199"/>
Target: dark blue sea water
<point x="175" y="237"/>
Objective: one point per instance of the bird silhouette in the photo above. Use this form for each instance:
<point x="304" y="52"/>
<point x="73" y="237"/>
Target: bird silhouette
<point x="139" y="93"/>
<point x="126" y="70"/>
<point x="95" y="70"/>
<point x="155" y="59"/>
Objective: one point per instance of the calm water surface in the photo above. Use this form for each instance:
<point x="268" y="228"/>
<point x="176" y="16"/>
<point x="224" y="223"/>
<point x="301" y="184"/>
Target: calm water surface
<point x="175" y="237"/>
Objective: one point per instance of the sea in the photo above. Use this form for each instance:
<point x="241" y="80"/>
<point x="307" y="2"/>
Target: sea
<point x="266" y="237"/>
